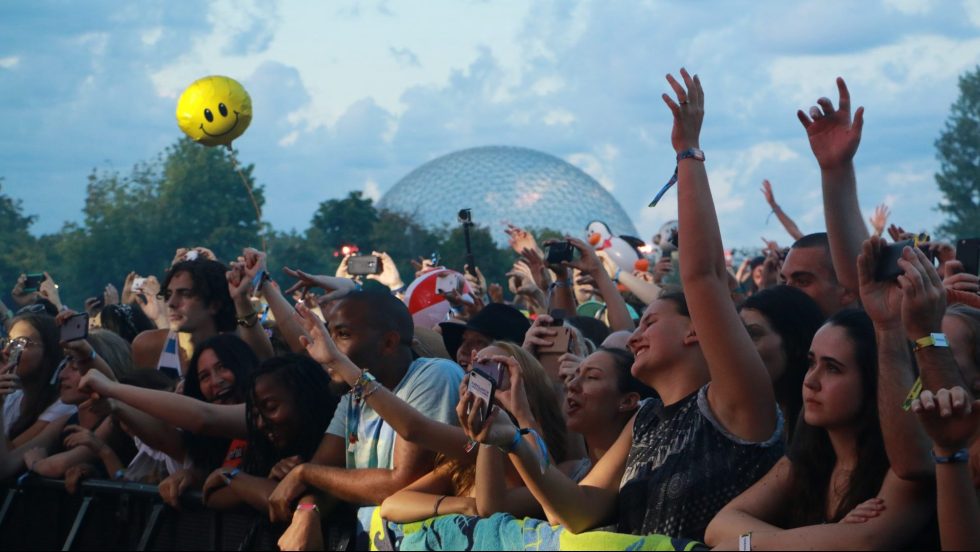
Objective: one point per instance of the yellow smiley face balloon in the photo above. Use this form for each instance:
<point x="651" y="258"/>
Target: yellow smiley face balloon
<point x="214" y="111"/>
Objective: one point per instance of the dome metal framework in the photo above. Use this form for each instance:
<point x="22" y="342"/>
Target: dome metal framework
<point x="505" y="184"/>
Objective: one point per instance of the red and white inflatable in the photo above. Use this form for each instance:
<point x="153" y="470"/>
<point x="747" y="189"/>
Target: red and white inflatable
<point x="427" y="306"/>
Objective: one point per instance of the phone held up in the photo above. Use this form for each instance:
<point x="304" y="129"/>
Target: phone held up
<point x="968" y="253"/>
<point x="33" y="282"/>
<point x="363" y="265"/>
<point x="75" y="328"/>
<point x="560" y="251"/>
<point x="484" y="381"/>
<point x="563" y="339"/>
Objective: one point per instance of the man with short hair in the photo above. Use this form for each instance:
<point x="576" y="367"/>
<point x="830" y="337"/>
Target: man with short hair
<point x="809" y="267"/>
<point x="360" y="460"/>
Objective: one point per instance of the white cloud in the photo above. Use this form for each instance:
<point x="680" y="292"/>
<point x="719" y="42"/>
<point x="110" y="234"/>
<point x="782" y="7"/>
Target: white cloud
<point x="289" y="139"/>
<point x="9" y="62"/>
<point x="591" y="165"/>
<point x="972" y="8"/>
<point x="558" y="117"/>
<point x="371" y="190"/>
<point x="548" y="85"/>
<point x="150" y="37"/>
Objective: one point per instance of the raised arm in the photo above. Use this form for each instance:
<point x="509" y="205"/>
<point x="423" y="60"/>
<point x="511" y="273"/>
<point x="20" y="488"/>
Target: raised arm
<point x="410" y="424"/>
<point x="590" y="263"/>
<point x="834" y="139"/>
<point x="241" y="284"/>
<point x="952" y="419"/>
<point x="905" y="442"/>
<point x="173" y="408"/>
<point x="741" y="395"/>
<point x="577" y="506"/>
<point x="784" y="219"/>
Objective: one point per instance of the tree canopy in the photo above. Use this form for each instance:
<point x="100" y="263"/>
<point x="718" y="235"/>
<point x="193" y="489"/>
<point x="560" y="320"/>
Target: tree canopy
<point x="191" y="195"/>
<point x="958" y="150"/>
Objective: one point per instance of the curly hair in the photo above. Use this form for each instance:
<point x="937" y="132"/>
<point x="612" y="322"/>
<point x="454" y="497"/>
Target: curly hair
<point x="211" y="286"/>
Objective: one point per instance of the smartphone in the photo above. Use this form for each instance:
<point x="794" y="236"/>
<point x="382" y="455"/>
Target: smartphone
<point x="190" y="255"/>
<point x="560" y="251"/>
<point x="968" y="253"/>
<point x="137" y="285"/>
<point x="256" y="283"/>
<point x="75" y="328"/>
<point x="561" y="344"/>
<point x="33" y="282"/>
<point x="482" y="385"/>
<point x="887" y="267"/>
<point x="446" y="283"/>
<point x="490" y="369"/>
<point x="362" y="265"/>
<point x="13" y="360"/>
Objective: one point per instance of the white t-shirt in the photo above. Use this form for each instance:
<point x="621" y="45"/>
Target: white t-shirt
<point x="11" y="411"/>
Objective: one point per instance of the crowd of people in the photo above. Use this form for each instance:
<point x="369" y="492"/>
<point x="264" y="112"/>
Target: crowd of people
<point x="808" y="399"/>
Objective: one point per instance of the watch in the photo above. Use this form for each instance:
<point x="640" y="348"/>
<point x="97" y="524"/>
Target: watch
<point x="931" y="340"/>
<point x="691" y="153"/>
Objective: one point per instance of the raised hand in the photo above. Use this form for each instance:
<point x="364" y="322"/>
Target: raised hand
<point x="20" y="296"/>
<point x="957" y="279"/>
<point x="477" y="283"/>
<point x="496" y="293"/>
<point x="128" y="295"/>
<point x="389" y="275"/>
<point x="688" y="111"/>
<point x="497" y="429"/>
<point x="336" y="287"/>
<point x="767" y="193"/>
<point x="520" y="239"/>
<point x="950" y="416"/>
<point x="882" y="300"/>
<point x="924" y="303"/>
<point x="49" y="290"/>
<point x="879" y="219"/>
<point x="322" y="348"/>
<point x="834" y="137"/>
<point x="511" y="394"/>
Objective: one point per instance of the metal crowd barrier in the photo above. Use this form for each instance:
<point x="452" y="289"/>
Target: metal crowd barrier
<point x="37" y="514"/>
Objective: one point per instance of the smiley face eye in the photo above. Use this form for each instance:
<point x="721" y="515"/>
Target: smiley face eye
<point x="223" y="110"/>
<point x="208" y="115"/>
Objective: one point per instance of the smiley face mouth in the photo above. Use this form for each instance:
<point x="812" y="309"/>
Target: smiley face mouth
<point x="223" y="133"/>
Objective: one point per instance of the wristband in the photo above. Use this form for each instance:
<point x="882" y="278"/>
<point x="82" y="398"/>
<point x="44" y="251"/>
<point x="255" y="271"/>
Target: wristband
<point x="311" y="507"/>
<point x="229" y="476"/>
<point x="435" y="511"/>
<point x="931" y="340"/>
<point x="961" y="456"/>
<point x="120" y="473"/>
<point x="745" y="541"/>
<point x="248" y="320"/>
<point x="365" y="379"/>
<point x="543" y="458"/>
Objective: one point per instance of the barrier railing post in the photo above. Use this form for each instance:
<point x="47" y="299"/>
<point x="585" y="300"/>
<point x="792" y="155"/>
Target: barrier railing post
<point x="151" y="527"/>
<point x="77" y="525"/>
<point x="11" y="494"/>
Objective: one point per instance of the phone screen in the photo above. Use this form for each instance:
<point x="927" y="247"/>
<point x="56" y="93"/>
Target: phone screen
<point x="482" y="386"/>
<point x="75" y="328"/>
<point x="137" y="284"/>
<point x="445" y="283"/>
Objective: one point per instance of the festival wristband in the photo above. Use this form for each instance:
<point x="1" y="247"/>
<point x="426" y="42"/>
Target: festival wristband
<point x="228" y="476"/>
<point x="913" y="394"/>
<point x="961" y="456"/>
<point x="311" y="507"/>
<point x="745" y="542"/>
<point x="543" y="458"/>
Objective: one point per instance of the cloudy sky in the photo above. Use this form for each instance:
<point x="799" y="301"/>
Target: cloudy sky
<point x="353" y="95"/>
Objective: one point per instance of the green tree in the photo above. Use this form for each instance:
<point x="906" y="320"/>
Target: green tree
<point x="339" y="222"/>
<point x="958" y="150"/>
<point x="190" y="196"/>
<point x="19" y="251"/>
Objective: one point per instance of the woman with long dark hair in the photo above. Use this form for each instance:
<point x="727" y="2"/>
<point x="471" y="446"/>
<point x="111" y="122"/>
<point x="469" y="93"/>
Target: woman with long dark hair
<point x="836" y="461"/>
<point x="28" y="389"/>
<point x="782" y="321"/>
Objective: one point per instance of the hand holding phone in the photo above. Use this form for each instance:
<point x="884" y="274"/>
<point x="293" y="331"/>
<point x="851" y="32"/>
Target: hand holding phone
<point x="887" y="267"/>
<point x="559" y="252"/>
<point x="484" y="385"/>
<point x="363" y="265"/>
<point x="33" y="282"/>
<point x="74" y="328"/>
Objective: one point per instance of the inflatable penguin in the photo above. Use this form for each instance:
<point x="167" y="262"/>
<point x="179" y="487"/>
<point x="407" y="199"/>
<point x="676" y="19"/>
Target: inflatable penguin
<point x="623" y="250"/>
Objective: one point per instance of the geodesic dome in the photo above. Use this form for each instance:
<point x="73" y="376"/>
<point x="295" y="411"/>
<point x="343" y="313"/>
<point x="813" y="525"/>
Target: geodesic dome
<point x="504" y="184"/>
